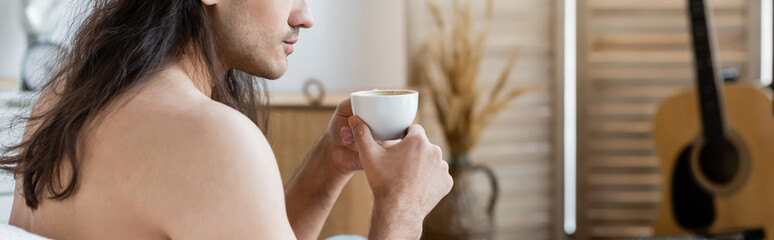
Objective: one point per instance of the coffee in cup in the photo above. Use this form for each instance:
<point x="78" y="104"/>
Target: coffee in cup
<point x="387" y="112"/>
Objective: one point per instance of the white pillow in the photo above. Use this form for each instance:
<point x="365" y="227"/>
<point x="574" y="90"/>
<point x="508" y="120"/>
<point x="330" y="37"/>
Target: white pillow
<point x="9" y="232"/>
<point x="346" y="237"/>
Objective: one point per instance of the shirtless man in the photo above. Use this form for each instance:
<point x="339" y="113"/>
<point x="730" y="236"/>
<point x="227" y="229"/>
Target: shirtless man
<point x="150" y="131"/>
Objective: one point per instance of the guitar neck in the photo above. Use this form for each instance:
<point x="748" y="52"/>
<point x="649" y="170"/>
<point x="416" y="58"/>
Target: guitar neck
<point x="708" y="81"/>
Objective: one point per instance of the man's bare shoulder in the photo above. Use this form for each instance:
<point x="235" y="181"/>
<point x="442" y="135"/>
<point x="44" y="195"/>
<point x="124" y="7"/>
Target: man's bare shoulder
<point x="169" y="127"/>
<point x="189" y="160"/>
<point x="172" y="126"/>
<point x="166" y="116"/>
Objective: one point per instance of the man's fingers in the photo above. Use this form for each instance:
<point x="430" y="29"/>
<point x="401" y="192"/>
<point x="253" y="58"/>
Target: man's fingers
<point x="416" y="130"/>
<point x="388" y="143"/>
<point x="344" y="109"/>
<point x="362" y="134"/>
<point x="347" y="139"/>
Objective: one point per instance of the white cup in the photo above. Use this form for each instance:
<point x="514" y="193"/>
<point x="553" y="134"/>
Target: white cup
<point x="387" y="112"/>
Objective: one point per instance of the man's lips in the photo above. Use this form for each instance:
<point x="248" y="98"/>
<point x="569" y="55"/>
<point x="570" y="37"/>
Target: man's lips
<point x="289" y="45"/>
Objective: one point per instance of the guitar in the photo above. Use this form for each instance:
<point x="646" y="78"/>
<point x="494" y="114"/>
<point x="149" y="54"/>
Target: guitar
<point x="716" y="150"/>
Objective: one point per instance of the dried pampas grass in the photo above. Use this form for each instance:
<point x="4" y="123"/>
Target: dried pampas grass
<point x="449" y="67"/>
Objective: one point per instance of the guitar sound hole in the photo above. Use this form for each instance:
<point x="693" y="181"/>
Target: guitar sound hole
<point x="719" y="162"/>
<point x="693" y="207"/>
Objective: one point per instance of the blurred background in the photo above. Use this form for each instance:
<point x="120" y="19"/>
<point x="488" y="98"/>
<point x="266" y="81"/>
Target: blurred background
<point x="569" y="154"/>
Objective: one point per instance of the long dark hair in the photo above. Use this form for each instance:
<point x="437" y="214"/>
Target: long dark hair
<point x="120" y="44"/>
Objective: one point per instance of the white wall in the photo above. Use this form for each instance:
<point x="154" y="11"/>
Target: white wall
<point x="12" y="39"/>
<point x="354" y="45"/>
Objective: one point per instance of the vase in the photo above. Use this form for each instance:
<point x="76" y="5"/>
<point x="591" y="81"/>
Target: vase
<point x="467" y="212"/>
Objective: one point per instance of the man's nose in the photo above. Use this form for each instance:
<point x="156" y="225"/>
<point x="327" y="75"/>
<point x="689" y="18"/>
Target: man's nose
<point x="301" y="16"/>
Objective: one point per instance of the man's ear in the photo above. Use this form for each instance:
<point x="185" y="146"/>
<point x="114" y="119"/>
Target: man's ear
<point x="209" y="2"/>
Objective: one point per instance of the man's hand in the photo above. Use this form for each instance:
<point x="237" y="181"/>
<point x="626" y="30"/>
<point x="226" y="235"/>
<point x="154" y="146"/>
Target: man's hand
<point x="337" y="142"/>
<point x="407" y="179"/>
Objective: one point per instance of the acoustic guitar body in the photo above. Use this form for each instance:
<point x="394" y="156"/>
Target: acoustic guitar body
<point x="690" y="202"/>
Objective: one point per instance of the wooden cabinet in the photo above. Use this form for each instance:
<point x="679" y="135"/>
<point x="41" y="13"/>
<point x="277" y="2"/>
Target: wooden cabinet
<point x="292" y="132"/>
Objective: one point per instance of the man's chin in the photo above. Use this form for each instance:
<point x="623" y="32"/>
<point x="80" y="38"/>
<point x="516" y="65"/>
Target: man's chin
<point x="276" y="75"/>
<point x="279" y="70"/>
<point x="270" y="73"/>
<point x="272" y="78"/>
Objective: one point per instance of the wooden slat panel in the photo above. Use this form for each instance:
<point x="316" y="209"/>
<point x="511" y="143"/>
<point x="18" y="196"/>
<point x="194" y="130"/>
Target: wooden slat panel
<point x="541" y="218"/>
<point x="653" y="93"/>
<point x="536" y="232"/>
<point x="646" y="23"/>
<point x="516" y="204"/>
<point x="621" y="214"/>
<point x="658" y="41"/>
<point x="621" y="109"/>
<point x="620" y="126"/>
<point x="621" y="231"/>
<point x="625" y="196"/>
<point x="633" y="54"/>
<point x="519" y="145"/>
<point x="642" y="74"/>
<point x="658" y="4"/>
<point x="513" y="149"/>
<point x="623" y="179"/>
<point x="655" y="57"/>
<point x="506" y="157"/>
<point x="622" y="161"/>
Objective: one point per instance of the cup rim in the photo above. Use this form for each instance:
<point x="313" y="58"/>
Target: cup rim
<point x="362" y="93"/>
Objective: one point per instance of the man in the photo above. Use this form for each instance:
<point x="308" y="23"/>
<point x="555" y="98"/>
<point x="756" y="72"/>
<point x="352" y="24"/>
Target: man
<point x="148" y="131"/>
